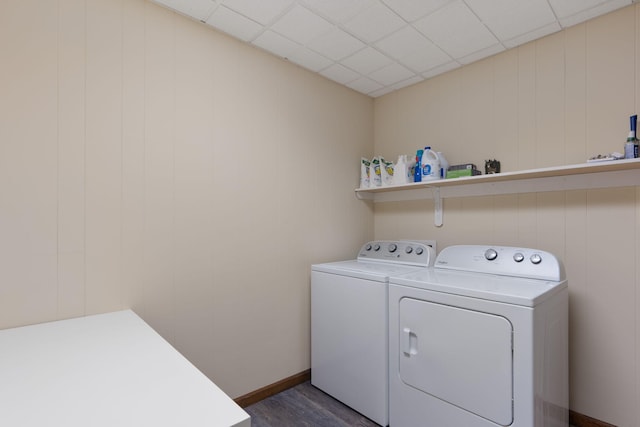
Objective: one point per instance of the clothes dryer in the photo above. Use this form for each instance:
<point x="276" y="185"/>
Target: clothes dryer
<point x="480" y="340"/>
<point x="349" y="323"/>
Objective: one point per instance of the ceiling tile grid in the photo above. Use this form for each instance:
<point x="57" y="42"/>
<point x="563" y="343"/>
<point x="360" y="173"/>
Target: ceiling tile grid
<point x="378" y="46"/>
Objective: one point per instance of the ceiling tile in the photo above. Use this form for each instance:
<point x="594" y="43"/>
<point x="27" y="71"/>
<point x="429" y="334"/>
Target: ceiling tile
<point x="309" y="59"/>
<point x="408" y="82"/>
<point x="374" y="23"/>
<point x="277" y="44"/>
<point x="338" y="10"/>
<point x="198" y="9"/>
<point x="481" y="54"/>
<point x="340" y="74"/>
<point x="234" y="24"/>
<point x="508" y="19"/>
<point x="377" y="46"/>
<point x="593" y="12"/>
<point x="367" y="61"/>
<point x="412" y="10"/>
<point x="380" y="92"/>
<point x="533" y="35"/>
<point x="262" y="11"/>
<point x="364" y="85"/>
<point x="565" y="8"/>
<point x="301" y="25"/>
<point x="413" y="50"/>
<point x="391" y="74"/>
<point x="388" y="89"/>
<point x="441" y="69"/>
<point x="336" y="44"/>
<point x="456" y="30"/>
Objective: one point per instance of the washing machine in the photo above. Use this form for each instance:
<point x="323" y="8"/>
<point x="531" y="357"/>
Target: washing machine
<point x="480" y="340"/>
<point x="349" y="323"/>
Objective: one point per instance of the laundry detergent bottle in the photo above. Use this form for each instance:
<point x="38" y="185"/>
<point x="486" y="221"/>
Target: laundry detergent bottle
<point x="444" y="165"/>
<point x="430" y="165"/>
<point x="417" y="171"/>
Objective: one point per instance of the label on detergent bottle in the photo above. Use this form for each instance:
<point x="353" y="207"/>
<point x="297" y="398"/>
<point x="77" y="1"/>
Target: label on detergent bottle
<point x="375" y="175"/>
<point x="417" y="170"/>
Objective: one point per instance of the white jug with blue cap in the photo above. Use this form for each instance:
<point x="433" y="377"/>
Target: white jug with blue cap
<point x="430" y="165"/>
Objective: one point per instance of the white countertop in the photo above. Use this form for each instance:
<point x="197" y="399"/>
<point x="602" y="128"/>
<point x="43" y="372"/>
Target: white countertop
<point x="105" y="370"/>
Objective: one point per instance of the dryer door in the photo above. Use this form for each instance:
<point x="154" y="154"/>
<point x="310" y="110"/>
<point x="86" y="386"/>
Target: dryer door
<point x="460" y="356"/>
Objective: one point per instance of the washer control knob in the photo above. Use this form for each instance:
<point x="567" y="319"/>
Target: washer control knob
<point x="518" y="257"/>
<point x="409" y="249"/>
<point x="536" y="259"/>
<point x="368" y="247"/>
<point x="393" y="247"/>
<point x="490" y="254"/>
<point x="419" y="251"/>
<point x="376" y="247"/>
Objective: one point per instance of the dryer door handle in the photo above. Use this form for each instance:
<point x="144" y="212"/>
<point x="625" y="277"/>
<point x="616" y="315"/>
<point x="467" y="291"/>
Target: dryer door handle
<point x="409" y="342"/>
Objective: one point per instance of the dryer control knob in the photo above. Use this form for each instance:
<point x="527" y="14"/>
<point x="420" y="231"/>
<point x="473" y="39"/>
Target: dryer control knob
<point x="393" y="247"/>
<point x="419" y="251"/>
<point x="491" y="254"/>
<point x="536" y="259"/>
<point x="409" y="249"/>
<point x="518" y="257"/>
<point x="376" y="247"/>
<point x="368" y="247"/>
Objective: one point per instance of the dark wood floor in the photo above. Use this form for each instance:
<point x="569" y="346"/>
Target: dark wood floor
<point x="304" y="405"/>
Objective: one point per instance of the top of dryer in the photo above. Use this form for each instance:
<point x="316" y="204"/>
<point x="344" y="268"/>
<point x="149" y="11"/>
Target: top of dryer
<point x="418" y="253"/>
<point x="502" y="260"/>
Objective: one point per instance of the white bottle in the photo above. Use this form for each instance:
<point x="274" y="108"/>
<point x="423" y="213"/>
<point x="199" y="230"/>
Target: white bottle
<point x="444" y="165"/>
<point x="364" y="172"/>
<point x="430" y="165"/>
<point x="386" y="172"/>
<point x="400" y="172"/>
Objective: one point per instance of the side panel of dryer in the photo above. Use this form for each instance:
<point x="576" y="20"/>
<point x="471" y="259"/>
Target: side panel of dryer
<point x="551" y="370"/>
<point x="349" y="342"/>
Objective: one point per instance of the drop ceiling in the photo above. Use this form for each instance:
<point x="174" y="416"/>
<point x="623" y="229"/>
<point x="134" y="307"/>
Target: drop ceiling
<point x="378" y="46"/>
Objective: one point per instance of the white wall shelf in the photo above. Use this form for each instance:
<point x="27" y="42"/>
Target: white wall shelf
<point x="617" y="173"/>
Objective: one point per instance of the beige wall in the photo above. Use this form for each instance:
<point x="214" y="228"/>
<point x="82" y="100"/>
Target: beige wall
<point x="131" y="146"/>
<point x="551" y="102"/>
<point x="147" y="161"/>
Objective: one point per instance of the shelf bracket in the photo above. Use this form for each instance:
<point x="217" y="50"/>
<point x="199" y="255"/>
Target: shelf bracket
<point x="437" y="204"/>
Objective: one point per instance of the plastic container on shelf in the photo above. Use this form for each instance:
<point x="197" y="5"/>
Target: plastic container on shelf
<point x="430" y="165"/>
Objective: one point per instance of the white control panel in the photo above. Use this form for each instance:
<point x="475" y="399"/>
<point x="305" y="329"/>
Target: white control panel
<point x="502" y="260"/>
<point x="399" y="251"/>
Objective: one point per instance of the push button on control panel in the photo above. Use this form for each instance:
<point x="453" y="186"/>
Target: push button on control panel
<point x="535" y="259"/>
<point x="490" y="254"/>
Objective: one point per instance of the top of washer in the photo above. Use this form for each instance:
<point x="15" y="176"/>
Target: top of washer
<point x="398" y="251"/>
<point x="502" y="260"/>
